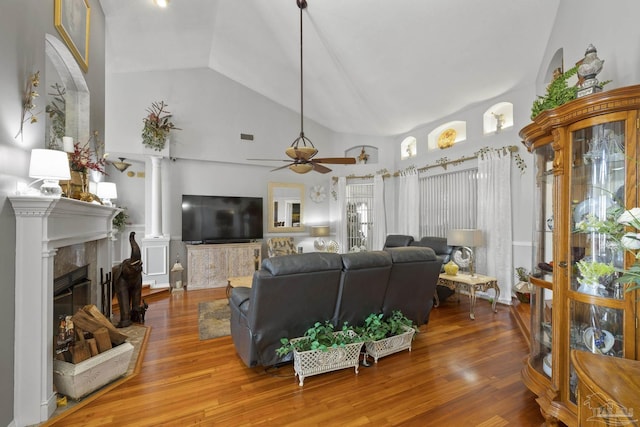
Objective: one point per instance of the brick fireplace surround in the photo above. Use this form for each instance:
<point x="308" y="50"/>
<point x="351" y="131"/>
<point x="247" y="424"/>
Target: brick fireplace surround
<point x="43" y="225"/>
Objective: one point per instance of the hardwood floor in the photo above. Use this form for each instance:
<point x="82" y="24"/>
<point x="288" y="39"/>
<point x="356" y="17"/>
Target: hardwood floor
<point x="460" y="372"/>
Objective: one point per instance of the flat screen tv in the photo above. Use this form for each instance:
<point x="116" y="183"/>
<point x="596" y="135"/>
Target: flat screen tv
<point x="221" y="219"/>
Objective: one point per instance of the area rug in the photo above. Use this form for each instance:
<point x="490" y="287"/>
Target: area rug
<point x="213" y="319"/>
<point x="137" y="336"/>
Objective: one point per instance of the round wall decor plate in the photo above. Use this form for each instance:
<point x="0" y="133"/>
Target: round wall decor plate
<point x="447" y="138"/>
<point x="317" y="193"/>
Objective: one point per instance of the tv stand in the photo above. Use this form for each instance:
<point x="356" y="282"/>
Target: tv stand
<point x="210" y="265"/>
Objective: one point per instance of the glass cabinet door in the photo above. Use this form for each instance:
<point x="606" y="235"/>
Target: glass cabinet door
<point x="542" y="277"/>
<point x="597" y="199"/>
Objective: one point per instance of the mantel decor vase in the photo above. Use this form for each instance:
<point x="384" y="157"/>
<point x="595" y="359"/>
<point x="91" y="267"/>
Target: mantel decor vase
<point x="314" y="362"/>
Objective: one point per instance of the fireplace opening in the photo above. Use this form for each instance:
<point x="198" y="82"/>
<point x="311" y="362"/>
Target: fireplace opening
<point x="71" y="292"/>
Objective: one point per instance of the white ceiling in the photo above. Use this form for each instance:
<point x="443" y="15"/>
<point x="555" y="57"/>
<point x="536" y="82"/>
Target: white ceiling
<point x="372" y="67"/>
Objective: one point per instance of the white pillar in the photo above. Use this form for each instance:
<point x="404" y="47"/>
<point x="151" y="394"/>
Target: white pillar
<point x="156" y="197"/>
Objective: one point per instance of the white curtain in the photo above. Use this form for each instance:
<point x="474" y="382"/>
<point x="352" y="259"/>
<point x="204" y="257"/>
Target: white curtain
<point x="341" y="215"/>
<point x="379" y="215"/>
<point x="494" y="219"/>
<point x="409" y="203"/>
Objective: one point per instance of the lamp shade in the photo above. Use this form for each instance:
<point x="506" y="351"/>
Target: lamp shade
<point x="464" y="237"/>
<point x="49" y="164"/>
<point x="320" y="231"/>
<point x="107" y="190"/>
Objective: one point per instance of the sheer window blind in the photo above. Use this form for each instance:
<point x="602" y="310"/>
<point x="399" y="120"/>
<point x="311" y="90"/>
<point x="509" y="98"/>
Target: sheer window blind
<point x="447" y="201"/>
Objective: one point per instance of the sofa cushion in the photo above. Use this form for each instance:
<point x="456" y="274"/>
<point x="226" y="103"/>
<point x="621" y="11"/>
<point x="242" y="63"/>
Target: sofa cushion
<point x="302" y="263"/>
<point x="397" y="240"/>
<point x="412" y="254"/>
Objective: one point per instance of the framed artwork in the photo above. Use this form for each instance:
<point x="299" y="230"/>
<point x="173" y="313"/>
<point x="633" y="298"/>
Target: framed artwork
<point x="71" y="19"/>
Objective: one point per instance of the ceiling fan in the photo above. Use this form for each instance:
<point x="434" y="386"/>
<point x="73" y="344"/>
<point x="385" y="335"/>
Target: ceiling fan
<point x="302" y="150"/>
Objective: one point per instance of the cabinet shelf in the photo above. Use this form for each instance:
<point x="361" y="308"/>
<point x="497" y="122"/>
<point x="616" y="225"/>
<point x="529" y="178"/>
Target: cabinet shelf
<point x="579" y="153"/>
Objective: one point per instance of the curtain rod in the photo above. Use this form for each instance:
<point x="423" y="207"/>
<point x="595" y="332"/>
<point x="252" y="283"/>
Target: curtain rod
<point x="442" y="162"/>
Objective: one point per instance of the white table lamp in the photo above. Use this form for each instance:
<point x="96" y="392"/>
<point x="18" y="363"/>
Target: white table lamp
<point x="107" y="191"/>
<point x="468" y="239"/>
<point x="49" y="166"/>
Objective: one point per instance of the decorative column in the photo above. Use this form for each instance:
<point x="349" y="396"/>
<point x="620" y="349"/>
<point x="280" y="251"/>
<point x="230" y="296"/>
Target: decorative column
<point x="156" y="197"/>
<point x="155" y="245"/>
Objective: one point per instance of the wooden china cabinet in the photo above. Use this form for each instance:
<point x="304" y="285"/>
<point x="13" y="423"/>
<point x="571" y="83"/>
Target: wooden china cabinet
<point x="586" y="161"/>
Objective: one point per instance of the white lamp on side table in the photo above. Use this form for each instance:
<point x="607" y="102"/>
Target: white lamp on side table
<point x="468" y="239"/>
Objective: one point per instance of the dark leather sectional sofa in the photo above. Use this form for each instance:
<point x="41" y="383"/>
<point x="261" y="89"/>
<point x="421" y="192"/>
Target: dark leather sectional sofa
<point x="292" y="292"/>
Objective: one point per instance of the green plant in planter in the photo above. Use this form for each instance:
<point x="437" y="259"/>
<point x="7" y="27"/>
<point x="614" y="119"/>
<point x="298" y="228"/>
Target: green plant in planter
<point x="120" y="221"/>
<point x="321" y="336"/>
<point x="376" y="327"/>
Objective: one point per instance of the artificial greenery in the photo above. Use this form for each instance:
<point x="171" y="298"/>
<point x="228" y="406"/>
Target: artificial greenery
<point x="592" y="271"/>
<point x="377" y="327"/>
<point x="157" y="126"/>
<point x="522" y="273"/>
<point x="56" y="110"/>
<point x="120" y="221"/>
<point x="321" y="336"/>
<point x="558" y="92"/>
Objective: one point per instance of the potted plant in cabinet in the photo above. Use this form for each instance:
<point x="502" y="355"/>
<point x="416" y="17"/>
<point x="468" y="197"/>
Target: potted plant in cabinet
<point x="385" y="336"/>
<point x="322" y="349"/>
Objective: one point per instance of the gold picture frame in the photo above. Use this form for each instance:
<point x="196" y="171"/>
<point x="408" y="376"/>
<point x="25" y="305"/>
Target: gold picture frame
<point x="72" y="18"/>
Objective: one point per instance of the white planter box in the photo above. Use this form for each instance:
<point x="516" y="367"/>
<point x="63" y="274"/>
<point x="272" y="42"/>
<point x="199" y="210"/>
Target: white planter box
<point x="387" y="346"/>
<point x="314" y="362"/>
<point x="80" y="379"/>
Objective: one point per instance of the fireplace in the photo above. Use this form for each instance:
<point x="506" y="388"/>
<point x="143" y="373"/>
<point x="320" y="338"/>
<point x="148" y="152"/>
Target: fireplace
<point x="71" y="292"/>
<point x="44" y="226"/>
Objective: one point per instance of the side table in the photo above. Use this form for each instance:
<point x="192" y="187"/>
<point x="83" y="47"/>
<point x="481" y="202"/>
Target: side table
<point x="242" y="281"/>
<point x="470" y="284"/>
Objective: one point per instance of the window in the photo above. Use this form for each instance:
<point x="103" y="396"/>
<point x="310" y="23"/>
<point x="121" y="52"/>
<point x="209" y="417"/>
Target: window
<point x="448" y="201"/>
<point x="359" y="216"/>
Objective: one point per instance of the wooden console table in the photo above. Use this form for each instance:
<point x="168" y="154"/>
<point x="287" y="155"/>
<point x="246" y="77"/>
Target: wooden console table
<point x="470" y="284"/>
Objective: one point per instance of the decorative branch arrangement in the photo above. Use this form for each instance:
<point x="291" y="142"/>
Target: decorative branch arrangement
<point x="157" y="126"/>
<point x="28" y="102"/>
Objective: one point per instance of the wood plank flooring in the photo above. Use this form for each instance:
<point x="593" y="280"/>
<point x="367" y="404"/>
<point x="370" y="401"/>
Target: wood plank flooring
<point x="460" y="372"/>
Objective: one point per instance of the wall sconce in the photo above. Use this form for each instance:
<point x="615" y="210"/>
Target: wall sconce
<point x="319" y="231"/>
<point x="49" y="166"/>
<point x="107" y="191"/>
<point x="467" y="239"/>
<point x="121" y="165"/>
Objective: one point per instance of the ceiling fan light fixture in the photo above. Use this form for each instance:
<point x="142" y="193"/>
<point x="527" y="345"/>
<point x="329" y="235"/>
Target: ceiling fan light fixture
<point x="301" y="167"/>
<point x="302" y="153"/>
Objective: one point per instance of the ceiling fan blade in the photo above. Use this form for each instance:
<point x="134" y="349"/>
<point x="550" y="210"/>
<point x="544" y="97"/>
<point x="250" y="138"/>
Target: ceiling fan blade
<point x="336" y="160"/>
<point x="319" y="168"/>
<point x="270" y="160"/>
<point x="281" y="167"/>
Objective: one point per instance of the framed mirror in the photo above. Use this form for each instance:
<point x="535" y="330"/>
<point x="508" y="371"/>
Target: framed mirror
<point x="286" y="207"/>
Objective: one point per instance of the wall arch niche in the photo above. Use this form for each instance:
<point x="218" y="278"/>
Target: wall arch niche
<point x="63" y="69"/>
<point x="555" y="64"/>
<point x="364" y="154"/>
<point x="497" y="118"/>
<point x="408" y="148"/>
<point x="456" y="131"/>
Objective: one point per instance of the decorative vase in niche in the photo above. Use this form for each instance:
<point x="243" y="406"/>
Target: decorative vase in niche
<point x="451" y="268"/>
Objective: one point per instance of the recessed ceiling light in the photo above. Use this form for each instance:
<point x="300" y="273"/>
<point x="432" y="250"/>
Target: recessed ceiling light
<point x="162" y="3"/>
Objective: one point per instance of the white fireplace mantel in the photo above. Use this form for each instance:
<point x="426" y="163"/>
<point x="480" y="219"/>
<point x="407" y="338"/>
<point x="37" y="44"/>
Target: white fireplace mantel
<point x="43" y="225"/>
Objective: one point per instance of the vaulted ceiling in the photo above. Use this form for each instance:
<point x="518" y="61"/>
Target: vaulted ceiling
<point x="372" y="67"/>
